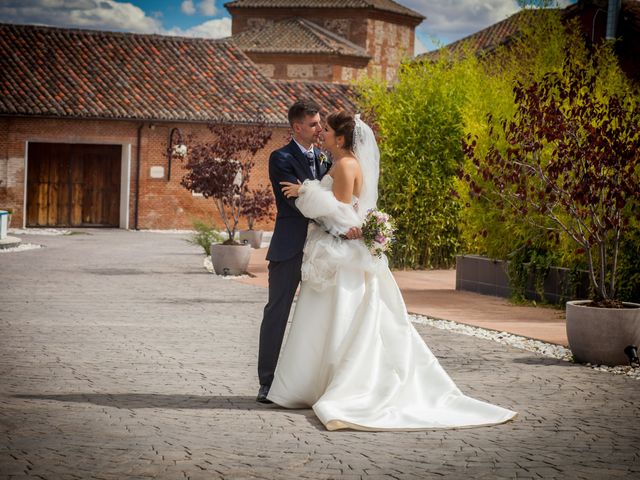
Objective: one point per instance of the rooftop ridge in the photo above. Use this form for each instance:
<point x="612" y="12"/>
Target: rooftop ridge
<point x="323" y="41"/>
<point x="381" y="5"/>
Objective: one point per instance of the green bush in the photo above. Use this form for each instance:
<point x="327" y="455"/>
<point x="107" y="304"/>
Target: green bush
<point x="421" y="121"/>
<point x="629" y="266"/>
<point x="419" y="129"/>
<point x="540" y="49"/>
<point x="204" y="235"/>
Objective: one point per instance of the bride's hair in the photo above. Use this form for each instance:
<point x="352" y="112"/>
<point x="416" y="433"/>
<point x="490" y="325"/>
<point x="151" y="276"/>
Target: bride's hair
<point x="343" y="123"/>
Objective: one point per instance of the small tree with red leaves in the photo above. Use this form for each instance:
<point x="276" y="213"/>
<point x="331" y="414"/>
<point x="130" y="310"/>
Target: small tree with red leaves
<point x="573" y="160"/>
<point x="221" y="168"/>
<point x="257" y="205"/>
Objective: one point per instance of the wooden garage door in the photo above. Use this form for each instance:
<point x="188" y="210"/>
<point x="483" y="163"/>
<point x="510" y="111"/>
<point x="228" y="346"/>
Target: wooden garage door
<point x="75" y="185"/>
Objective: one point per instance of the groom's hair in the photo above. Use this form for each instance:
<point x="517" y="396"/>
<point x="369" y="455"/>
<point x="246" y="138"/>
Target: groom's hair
<point x="301" y="109"/>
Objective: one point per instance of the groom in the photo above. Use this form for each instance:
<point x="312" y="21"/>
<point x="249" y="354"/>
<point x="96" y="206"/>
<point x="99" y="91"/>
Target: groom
<point x="297" y="161"/>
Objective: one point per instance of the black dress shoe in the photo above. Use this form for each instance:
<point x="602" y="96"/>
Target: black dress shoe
<point x="262" y="394"/>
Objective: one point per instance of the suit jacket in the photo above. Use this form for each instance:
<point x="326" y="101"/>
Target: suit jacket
<point x="288" y="164"/>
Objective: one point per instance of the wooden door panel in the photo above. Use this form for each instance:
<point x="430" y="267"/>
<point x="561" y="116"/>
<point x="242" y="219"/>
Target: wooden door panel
<point x="62" y="187"/>
<point x="100" y="193"/>
<point x="73" y="185"/>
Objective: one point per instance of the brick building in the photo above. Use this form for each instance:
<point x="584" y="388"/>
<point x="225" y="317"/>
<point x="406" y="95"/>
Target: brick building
<point x="86" y="119"/>
<point x="335" y="41"/>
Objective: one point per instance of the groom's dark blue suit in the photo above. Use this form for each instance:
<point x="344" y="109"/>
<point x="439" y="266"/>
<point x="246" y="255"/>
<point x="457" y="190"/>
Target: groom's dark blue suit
<point x="287" y="164"/>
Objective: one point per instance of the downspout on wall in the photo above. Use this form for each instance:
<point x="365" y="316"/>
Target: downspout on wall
<point x="613" y="12"/>
<point x="137" y="197"/>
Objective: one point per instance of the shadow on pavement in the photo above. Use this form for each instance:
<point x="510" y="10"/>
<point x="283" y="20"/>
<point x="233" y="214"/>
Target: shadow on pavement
<point x="544" y="361"/>
<point x="154" y="400"/>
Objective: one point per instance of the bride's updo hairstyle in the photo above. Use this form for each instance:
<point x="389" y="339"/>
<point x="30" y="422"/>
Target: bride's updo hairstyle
<point x="343" y="123"/>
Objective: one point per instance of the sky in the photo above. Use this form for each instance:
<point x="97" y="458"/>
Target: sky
<point x="447" y="20"/>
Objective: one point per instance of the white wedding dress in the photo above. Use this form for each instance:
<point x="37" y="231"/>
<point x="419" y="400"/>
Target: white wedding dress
<point x="352" y="353"/>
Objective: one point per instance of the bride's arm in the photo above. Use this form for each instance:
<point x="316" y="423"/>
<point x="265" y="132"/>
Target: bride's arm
<point x="327" y="206"/>
<point x="344" y="178"/>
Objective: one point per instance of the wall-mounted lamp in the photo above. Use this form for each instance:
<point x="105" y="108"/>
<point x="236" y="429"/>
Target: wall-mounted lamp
<point x="177" y="148"/>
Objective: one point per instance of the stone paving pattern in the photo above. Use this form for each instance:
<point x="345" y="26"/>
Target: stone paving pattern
<point x="120" y="357"/>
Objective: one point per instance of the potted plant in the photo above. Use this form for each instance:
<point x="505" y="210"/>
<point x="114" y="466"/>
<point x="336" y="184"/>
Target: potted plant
<point x="220" y="169"/>
<point x="256" y="206"/>
<point x="572" y="164"/>
<point x="205" y="235"/>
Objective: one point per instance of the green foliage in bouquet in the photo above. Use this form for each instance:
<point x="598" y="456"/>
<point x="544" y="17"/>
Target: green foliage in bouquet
<point x="378" y="232"/>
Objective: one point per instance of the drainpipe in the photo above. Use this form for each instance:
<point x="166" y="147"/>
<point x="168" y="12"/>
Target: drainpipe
<point x="137" y="198"/>
<point x="612" y="18"/>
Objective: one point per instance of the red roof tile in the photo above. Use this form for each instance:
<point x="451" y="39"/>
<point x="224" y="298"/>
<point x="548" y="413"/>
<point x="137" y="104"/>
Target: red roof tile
<point x="330" y="96"/>
<point x="383" y="5"/>
<point x="296" y="35"/>
<point x="96" y="74"/>
<point x="488" y="38"/>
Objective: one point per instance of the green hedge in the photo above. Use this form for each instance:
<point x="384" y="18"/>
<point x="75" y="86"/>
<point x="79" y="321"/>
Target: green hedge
<point x="421" y="120"/>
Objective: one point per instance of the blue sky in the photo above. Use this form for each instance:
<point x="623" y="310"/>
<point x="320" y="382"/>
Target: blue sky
<point x="447" y="20"/>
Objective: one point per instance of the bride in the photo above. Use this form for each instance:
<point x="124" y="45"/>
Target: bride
<point x="352" y="353"/>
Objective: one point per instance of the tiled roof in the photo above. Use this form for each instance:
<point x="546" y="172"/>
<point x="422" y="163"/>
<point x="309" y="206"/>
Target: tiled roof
<point x="95" y="74"/>
<point x="296" y="35"/>
<point x="488" y="38"/>
<point x="330" y="96"/>
<point x="384" y="5"/>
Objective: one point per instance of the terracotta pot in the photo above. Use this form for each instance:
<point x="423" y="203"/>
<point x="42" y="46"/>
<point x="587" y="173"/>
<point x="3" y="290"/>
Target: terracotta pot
<point x="252" y="237"/>
<point x="600" y="335"/>
<point x="230" y="259"/>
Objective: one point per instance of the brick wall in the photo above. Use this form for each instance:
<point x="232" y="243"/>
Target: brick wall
<point x="162" y="204"/>
<point x="320" y="68"/>
<point x="388" y="44"/>
<point x="386" y="37"/>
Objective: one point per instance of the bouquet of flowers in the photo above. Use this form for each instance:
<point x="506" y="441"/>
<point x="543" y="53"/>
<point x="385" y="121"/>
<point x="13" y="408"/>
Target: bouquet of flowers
<point x="377" y="231"/>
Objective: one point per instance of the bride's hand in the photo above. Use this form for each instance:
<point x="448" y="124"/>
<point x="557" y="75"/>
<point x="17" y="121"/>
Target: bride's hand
<point x="354" y="233"/>
<point x="291" y="190"/>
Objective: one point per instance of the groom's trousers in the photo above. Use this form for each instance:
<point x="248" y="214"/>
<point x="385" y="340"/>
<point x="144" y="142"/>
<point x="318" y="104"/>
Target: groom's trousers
<point x="284" y="278"/>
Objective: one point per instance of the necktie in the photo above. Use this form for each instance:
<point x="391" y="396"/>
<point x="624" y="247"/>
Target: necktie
<point x="312" y="162"/>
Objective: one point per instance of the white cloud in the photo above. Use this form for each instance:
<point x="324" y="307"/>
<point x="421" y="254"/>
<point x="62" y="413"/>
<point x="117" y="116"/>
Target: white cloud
<point x="95" y="14"/>
<point x="207" y="7"/>
<point x="108" y="15"/>
<point x="450" y="20"/>
<point x="216" y="28"/>
<point x="419" y="47"/>
<point x="187" y="7"/>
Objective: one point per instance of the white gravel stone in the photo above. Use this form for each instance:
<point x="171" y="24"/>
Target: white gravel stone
<point x="524" y="343"/>
<point x="39" y="231"/>
<point x="20" y="248"/>
<point x="209" y="268"/>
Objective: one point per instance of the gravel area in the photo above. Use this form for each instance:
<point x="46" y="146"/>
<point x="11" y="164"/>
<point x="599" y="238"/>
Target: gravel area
<point x="20" y="248"/>
<point x="537" y="346"/>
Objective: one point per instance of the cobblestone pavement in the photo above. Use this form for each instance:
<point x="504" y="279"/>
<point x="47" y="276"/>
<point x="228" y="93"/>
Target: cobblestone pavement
<point x="120" y="357"/>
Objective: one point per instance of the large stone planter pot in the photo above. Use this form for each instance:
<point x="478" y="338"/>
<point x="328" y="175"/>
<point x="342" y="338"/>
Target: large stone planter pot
<point x="230" y="259"/>
<point x="252" y="237"/>
<point x="600" y="335"/>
